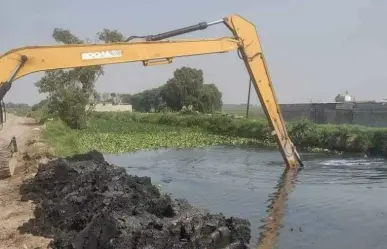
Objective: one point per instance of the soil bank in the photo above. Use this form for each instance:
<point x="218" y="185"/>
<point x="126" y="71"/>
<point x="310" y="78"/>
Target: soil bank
<point x="84" y="202"/>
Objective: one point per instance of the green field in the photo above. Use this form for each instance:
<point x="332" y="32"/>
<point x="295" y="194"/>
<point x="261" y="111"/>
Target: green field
<point x="240" y="109"/>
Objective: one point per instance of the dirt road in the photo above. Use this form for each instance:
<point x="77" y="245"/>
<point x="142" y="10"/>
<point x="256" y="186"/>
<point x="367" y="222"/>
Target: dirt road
<point x="14" y="212"/>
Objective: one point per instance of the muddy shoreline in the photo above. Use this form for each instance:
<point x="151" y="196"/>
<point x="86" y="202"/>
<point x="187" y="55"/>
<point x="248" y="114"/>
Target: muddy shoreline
<point x="85" y="202"/>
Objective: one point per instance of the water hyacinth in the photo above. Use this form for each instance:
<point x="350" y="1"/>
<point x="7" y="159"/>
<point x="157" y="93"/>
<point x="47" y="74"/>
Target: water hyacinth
<point x="126" y="132"/>
<point x="120" y="136"/>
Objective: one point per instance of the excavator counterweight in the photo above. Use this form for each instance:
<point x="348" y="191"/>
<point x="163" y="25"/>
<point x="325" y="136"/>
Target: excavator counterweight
<point x="26" y="60"/>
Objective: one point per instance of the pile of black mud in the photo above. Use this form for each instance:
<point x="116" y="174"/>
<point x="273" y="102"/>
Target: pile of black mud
<point x="85" y="202"/>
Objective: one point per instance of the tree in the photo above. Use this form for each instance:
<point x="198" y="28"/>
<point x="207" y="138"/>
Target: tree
<point x="126" y="98"/>
<point x="105" y="97"/>
<point x="41" y="105"/>
<point x="210" y="98"/>
<point x="108" y="35"/>
<point x="183" y="89"/>
<point x="148" y="101"/>
<point x="187" y="88"/>
<point x="97" y="97"/>
<point x="70" y="91"/>
<point x="115" y="98"/>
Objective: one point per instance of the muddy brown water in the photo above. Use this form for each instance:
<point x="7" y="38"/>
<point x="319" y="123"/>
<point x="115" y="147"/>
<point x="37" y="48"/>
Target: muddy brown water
<point x="337" y="201"/>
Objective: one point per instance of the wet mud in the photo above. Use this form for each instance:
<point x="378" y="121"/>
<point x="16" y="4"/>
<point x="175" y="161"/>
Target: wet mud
<point x="85" y="202"/>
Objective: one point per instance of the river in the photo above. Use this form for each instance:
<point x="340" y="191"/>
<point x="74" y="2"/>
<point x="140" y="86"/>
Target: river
<point x="337" y="202"/>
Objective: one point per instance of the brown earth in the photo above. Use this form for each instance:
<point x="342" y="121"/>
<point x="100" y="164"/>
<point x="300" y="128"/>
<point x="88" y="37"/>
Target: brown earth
<point x="14" y="212"/>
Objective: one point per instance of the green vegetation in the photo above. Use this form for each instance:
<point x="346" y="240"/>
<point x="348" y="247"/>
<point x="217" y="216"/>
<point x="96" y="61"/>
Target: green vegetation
<point x="61" y="138"/>
<point x="305" y="134"/>
<point x="126" y="132"/>
<point x="70" y="91"/>
<point x="115" y="135"/>
<point x="185" y="88"/>
<point x="18" y="109"/>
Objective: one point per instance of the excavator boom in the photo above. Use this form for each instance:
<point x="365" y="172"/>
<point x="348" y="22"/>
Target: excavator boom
<point x="42" y="58"/>
<point x="156" y="50"/>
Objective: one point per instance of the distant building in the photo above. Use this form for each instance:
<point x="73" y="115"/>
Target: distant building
<point x="344" y="97"/>
<point x="110" y="107"/>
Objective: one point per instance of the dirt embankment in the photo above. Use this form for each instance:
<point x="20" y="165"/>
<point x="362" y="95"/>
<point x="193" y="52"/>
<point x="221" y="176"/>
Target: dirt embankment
<point x="14" y="212"/>
<point x="84" y="202"/>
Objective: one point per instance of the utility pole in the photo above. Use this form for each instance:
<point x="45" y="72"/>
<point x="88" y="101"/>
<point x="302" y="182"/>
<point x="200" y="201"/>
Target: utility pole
<point x="248" y="101"/>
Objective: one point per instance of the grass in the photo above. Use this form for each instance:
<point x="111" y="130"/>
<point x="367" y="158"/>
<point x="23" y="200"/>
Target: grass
<point x="125" y="132"/>
<point x="61" y="138"/>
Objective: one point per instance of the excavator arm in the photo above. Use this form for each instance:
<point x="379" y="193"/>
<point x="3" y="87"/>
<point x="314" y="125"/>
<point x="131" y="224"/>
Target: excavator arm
<point x="154" y="49"/>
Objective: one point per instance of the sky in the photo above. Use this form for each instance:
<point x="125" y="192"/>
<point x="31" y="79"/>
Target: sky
<point x="314" y="49"/>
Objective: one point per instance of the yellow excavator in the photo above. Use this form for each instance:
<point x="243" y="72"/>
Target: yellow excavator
<point x="155" y="50"/>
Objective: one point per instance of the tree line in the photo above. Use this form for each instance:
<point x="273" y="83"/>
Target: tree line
<point x="70" y="92"/>
<point x="185" y="88"/>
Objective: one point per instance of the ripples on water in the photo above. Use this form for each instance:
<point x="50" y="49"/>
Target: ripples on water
<point x="337" y="202"/>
